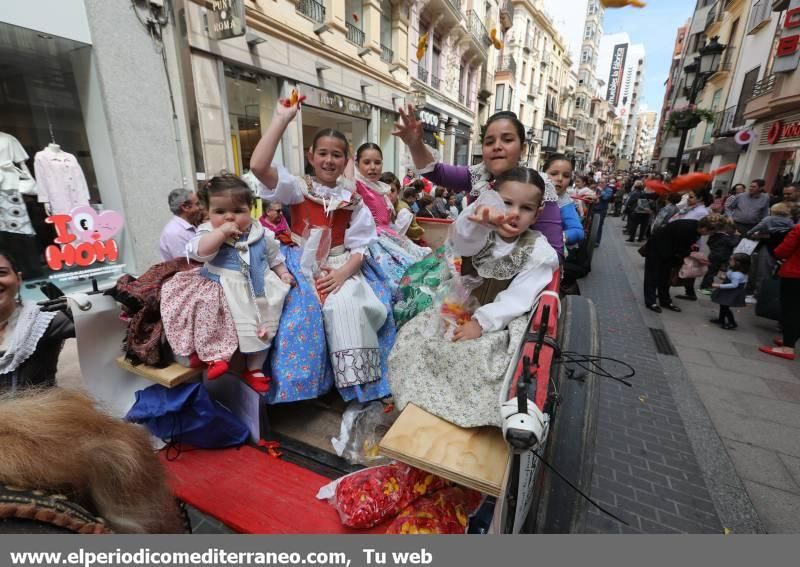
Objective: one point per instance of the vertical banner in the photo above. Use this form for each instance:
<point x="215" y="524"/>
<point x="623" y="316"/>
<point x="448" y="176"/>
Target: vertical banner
<point x="226" y="19"/>
<point x="615" y="75"/>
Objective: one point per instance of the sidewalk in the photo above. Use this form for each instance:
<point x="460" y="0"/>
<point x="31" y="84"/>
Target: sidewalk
<point x="752" y="399"/>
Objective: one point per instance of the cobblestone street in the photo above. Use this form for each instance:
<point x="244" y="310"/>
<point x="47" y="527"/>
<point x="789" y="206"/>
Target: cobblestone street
<point x="660" y="462"/>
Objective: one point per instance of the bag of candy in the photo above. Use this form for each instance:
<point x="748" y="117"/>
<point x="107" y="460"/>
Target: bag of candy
<point x="446" y="511"/>
<point x="373" y="495"/>
<point x="455" y="303"/>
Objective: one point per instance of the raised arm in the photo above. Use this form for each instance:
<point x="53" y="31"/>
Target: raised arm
<point x="409" y="129"/>
<point x="264" y="153"/>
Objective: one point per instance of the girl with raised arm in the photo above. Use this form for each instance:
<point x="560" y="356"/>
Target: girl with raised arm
<point x="337" y="328"/>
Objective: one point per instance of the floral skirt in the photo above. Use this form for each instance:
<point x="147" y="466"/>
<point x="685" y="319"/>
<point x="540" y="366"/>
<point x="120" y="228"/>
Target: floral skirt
<point x="395" y="255"/>
<point x="420" y="283"/>
<point x="299" y="361"/>
<point x="457" y="381"/>
<point x="196" y="317"/>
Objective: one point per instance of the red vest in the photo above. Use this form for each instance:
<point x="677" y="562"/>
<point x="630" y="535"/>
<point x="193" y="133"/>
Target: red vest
<point x="310" y="214"/>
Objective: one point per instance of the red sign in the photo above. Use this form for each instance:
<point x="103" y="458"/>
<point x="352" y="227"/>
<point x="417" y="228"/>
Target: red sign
<point x="83" y="238"/>
<point x="788" y="45"/>
<point x="779" y="130"/>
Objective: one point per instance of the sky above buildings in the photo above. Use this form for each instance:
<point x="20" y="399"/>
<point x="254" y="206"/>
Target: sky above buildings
<point x="654" y="26"/>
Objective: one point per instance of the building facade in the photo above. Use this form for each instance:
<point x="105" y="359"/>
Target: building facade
<point x="586" y="128"/>
<point x="773" y="104"/>
<point x="670" y="85"/>
<point x="532" y="79"/>
<point x="645" y="140"/>
<point x="622" y="64"/>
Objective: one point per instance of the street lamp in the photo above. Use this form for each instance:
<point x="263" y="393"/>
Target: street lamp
<point x="697" y="73"/>
<point x="529" y="139"/>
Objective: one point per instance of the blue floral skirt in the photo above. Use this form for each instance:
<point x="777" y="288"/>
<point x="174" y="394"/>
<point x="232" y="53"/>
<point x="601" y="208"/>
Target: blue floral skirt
<point x="394" y="255"/>
<point x="299" y="361"/>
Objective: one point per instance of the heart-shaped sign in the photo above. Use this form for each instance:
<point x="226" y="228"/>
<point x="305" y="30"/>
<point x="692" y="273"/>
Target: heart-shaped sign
<point x="90" y="226"/>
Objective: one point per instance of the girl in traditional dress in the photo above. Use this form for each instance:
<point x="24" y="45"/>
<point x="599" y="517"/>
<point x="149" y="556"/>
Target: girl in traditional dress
<point x="393" y="253"/>
<point x="460" y="381"/>
<point x="337" y="327"/>
<point x="235" y="299"/>
<point x="503" y="145"/>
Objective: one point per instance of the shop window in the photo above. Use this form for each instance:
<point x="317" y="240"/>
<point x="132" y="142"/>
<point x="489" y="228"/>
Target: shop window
<point x="42" y="128"/>
<point x="498" y="97"/>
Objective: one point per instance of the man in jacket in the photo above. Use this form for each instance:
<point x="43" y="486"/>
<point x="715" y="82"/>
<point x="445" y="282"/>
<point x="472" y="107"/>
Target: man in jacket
<point x="601" y="207"/>
<point x="747" y="209"/>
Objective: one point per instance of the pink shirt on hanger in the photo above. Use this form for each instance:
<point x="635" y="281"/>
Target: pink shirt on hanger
<point x="60" y="181"/>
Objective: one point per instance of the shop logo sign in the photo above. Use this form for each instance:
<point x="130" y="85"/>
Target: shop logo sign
<point x="429" y="118"/>
<point x="787" y="55"/>
<point x="83" y="237"/>
<point x="779" y="130"/>
<point x="226" y="19"/>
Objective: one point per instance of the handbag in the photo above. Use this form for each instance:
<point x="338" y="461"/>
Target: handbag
<point x="745" y="246"/>
<point x="695" y="265"/>
<point x="186" y="414"/>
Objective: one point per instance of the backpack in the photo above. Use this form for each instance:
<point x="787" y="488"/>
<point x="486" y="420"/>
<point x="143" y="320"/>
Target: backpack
<point x="643" y="206"/>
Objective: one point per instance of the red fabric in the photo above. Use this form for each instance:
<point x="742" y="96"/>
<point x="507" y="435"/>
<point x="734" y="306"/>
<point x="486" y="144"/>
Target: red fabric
<point x="251" y="492"/>
<point x="789" y="250"/>
<point x="310" y="214"/>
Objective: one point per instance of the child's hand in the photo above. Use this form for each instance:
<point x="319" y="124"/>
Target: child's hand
<point x="409" y="129"/>
<point x="468" y="331"/>
<point x="288" y="107"/>
<point x="331" y="281"/>
<point x="492" y="217"/>
<point x="286" y="277"/>
<point x="230" y="230"/>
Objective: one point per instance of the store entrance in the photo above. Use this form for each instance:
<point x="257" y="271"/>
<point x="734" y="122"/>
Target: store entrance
<point x="315" y="119"/>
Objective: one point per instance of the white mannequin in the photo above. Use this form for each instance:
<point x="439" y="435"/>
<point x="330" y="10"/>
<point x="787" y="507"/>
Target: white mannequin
<point x="53" y="147"/>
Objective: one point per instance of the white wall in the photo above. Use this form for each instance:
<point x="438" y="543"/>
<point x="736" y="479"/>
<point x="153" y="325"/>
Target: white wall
<point x="64" y="18"/>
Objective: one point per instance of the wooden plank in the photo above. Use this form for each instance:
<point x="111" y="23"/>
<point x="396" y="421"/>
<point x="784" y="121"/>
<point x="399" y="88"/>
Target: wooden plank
<point x="476" y="458"/>
<point x="169" y="376"/>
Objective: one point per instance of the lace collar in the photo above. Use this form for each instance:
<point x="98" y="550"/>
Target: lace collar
<point x="508" y="266"/>
<point x="30" y="326"/>
<point x="331" y="198"/>
<point x="378" y="187"/>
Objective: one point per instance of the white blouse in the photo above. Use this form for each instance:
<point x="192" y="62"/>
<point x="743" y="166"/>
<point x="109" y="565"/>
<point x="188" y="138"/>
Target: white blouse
<point x="291" y="190"/>
<point x="468" y="238"/>
<point x="60" y="180"/>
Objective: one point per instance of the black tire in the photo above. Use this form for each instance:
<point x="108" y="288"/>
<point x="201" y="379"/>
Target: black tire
<point x="571" y="445"/>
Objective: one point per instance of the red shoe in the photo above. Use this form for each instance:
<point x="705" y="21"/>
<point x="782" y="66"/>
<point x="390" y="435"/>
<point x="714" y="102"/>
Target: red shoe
<point x="217" y="368"/>
<point x="195" y="362"/>
<point x="773" y="352"/>
<point x="777" y="341"/>
<point x="256" y="380"/>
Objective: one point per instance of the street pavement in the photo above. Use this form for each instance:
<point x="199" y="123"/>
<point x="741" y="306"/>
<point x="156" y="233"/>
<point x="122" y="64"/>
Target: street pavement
<point x="707" y="441"/>
<point x="737" y="410"/>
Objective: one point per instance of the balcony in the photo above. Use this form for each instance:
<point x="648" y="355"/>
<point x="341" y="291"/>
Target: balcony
<point x="714" y="18"/>
<point x="311" y="9"/>
<point x="774" y="95"/>
<point x="545" y="59"/>
<point x="422" y="74"/>
<point x="387" y="54"/>
<point x="478" y="34"/>
<point x="507" y="16"/>
<point x="551" y="115"/>
<point x="724" y="122"/>
<point x="461" y="98"/>
<point x="506" y="64"/>
<point x="354" y="34"/>
<point x="486" y="85"/>
<point x="435" y="81"/>
<point x="726" y="65"/>
<point x="528" y="43"/>
<point x="447" y="14"/>
<point x="760" y="15"/>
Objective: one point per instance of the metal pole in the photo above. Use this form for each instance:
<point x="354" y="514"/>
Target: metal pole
<point x="693" y="92"/>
